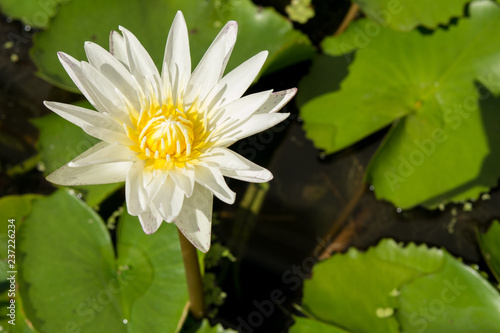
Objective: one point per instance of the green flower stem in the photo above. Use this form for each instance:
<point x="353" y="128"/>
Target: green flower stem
<point x="351" y="15"/>
<point x="193" y="277"/>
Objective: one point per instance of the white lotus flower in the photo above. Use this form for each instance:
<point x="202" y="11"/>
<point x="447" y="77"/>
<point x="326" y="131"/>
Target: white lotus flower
<point x="167" y="135"/>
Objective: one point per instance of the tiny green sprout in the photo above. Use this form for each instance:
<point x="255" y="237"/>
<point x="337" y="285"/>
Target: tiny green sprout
<point x="8" y="45"/>
<point x="300" y="11"/>
<point x="395" y="292"/>
<point x="384" y="312"/>
<point x="485" y="196"/>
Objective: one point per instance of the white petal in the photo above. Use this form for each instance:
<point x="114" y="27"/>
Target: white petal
<point x="212" y="179"/>
<point x="150" y="222"/>
<point x="110" y="97"/>
<point x="141" y="65"/>
<point x="117" y="48"/>
<point x="177" y="55"/>
<point x="152" y="182"/>
<point x="236" y="166"/>
<point x="104" y="152"/>
<point x="113" y="70"/>
<point x="93" y="123"/>
<point x="261" y="176"/>
<point x="227" y="159"/>
<point x="169" y="200"/>
<point x="195" y="218"/>
<point x="135" y="193"/>
<point x="98" y="146"/>
<point x="255" y="124"/>
<point x="233" y="85"/>
<point x="74" y="69"/>
<point x="155" y="212"/>
<point x="236" y="112"/>
<point x="90" y="174"/>
<point x="277" y="100"/>
<point x="211" y="67"/>
<point x="230" y="31"/>
<point x="184" y="178"/>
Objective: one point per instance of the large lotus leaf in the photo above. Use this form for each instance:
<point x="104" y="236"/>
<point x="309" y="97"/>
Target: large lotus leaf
<point x="387" y="288"/>
<point x="92" y="20"/>
<point x="490" y="247"/>
<point x="156" y="297"/>
<point x="454" y="299"/>
<point x="70" y="279"/>
<point x="59" y="142"/>
<point x="358" y="35"/>
<point x="404" y="15"/>
<point x="441" y="145"/>
<point x="67" y="268"/>
<point x="35" y="13"/>
<point x="348" y="290"/>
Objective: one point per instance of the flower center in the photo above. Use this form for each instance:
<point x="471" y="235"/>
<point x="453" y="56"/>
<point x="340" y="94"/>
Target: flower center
<point x="167" y="136"/>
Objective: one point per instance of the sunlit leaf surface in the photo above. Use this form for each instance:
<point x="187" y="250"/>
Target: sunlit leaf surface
<point x="444" y="127"/>
<point x="70" y="278"/>
<point x="92" y="20"/>
<point x="34" y="13"/>
<point x="404" y="15"/>
<point x="392" y="289"/>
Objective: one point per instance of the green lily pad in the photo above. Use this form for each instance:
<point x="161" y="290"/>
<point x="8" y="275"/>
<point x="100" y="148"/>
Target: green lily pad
<point x="390" y="288"/>
<point x="358" y="35"/>
<point x="367" y="282"/>
<point x="156" y="297"/>
<point x="404" y="15"/>
<point x="422" y="85"/>
<point x="31" y="12"/>
<point x="71" y="280"/>
<point x="92" y="20"/>
<point x="454" y="299"/>
<point x="68" y="268"/>
<point x="60" y="141"/>
<point x="490" y="247"/>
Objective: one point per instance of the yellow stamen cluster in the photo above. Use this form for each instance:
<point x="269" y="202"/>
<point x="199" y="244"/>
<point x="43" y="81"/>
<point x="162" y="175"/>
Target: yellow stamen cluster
<point x="167" y="136"/>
